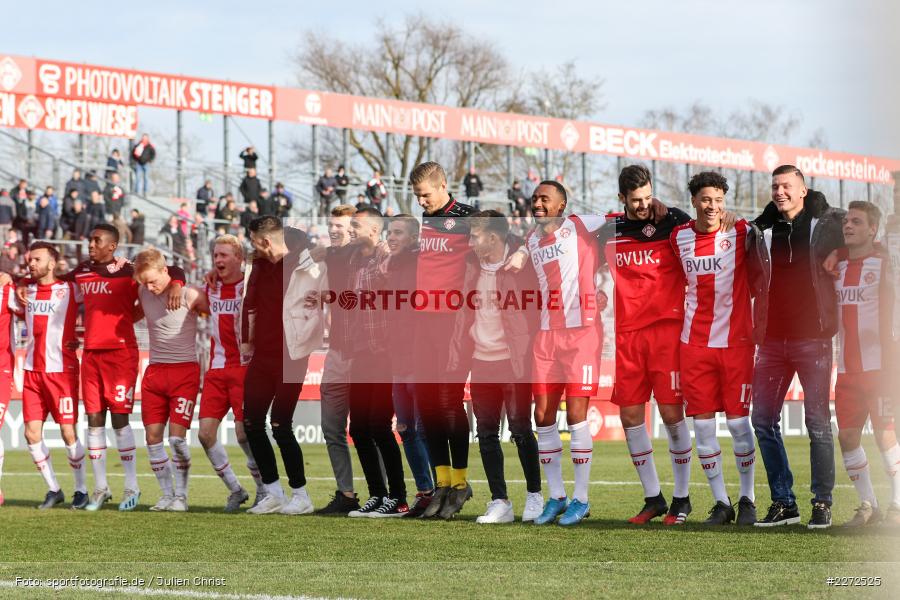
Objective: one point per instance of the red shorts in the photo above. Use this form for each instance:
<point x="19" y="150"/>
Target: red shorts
<point x="5" y="393"/>
<point x="858" y="396"/>
<point x="108" y="378"/>
<point x="717" y="379"/>
<point x="50" y="393"/>
<point x="567" y="360"/>
<point x="223" y="389"/>
<point x="169" y="393"/>
<point x="647" y="361"/>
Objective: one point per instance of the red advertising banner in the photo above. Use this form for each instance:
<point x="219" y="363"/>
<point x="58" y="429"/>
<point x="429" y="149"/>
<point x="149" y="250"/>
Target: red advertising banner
<point x="68" y="115"/>
<point x="125" y="87"/>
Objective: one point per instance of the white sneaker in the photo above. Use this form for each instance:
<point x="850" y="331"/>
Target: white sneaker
<point x="179" y="504"/>
<point x="498" y="511"/>
<point x="534" y="506"/>
<point x="163" y="503"/>
<point x="299" y="504"/>
<point x="268" y="505"/>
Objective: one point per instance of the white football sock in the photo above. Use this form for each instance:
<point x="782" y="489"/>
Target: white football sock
<point x="275" y="489"/>
<point x="127" y="454"/>
<point x="891" y="459"/>
<point x="251" y="464"/>
<point x="581" y="447"/>
<point x="744" y="446"/>
<point x="710" y="454"/>
<point x="97" y="453"/>
<point x="857" y="465"/>
<point x="161" y="466"/>
<point x="41" y="457"/>
<point x="550" y="453"/>
<point x="219" y="459"/>
<point x="642" y="458"/>
<point x="76" y="462"/>
<point x="181" y="456"/>
<point x="680" y="448"/>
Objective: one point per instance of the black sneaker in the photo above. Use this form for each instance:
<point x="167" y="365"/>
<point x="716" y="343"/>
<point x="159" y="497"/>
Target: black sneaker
<point x="423" y="500"/>
<point x="653" y="507"/>
<point x="678" y="511"/>
<point x="746" y="511"/>
<point x="720" y="514"/>
<point x="366" y="509"/>
<point x="821" y="516"/>
<point x="455" y="501"/>
<point x="390" y="507"/>
<point x="80" y="500"/>
<point x="438" y="498"/>
<point x="52" y="499"/>
<point x="780" y="514"/>
<point x="339" y="505"/>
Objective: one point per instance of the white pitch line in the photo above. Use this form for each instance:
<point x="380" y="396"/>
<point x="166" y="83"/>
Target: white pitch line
<point x="138" y="591"/>
<point x="479" y="481"/>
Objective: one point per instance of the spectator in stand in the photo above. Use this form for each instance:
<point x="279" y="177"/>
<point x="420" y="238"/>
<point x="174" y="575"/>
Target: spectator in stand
<point x="50" y="192"/>
<point x="91" y="185"/>
<point x="375" y="190"/>
<point x="11" y="261"/>
<point x="517" y="201"/>
<point x="68" y="209"/>
<point x="251" y="211"/>
<point x="326" y="187"/>
<point x="283" y="199"/>
<point x="249" y="156"/>
<point x="7" y="213"/>
<point x="173" y="237"/>
<point x="343" y="182"/>
<point x="205" y="195"/>
<point x="141" y="156"/>
<point x="20" y="192"/>
<point x="530" y="184"/>
<point x="96" y="210"/>
<point x="124" y="230"/>
<point x="266" y="204"/>
<point x="222" y="203"/>
<point x="361" y="201"/>
<point x="13" y="239"/>
<point x="46" y="218"/>
<point x="114" y="196"/>
<point x="75" y="183"/>
<point x="114" y="163"/>
<point x="230" y="214"/>
<point x="200" y="231"/>
<point x="250" y="186"/>
<point x="472" y="184"/>
<point x="137" y="227"/>
<point x="80" y="225"/>
<point x="26" y="211"/>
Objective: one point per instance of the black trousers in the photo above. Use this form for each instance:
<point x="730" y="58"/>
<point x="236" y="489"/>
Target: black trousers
<point x="493" y="388"/>
<point x="265" y="388"/>
<point x="371" y="413"/>
<point x="439" y="394"/>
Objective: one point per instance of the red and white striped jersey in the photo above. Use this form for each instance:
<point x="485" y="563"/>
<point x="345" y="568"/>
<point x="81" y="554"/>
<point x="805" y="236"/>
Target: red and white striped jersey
<point x="8" y="310"/>
<point x="864" y="299"/>
<point x="225" y="324"/>
<point x="50" y="314"/>
<point x="566" y="262"/>
<point x="718" y="307"/>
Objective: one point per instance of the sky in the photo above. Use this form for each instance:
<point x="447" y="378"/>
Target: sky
<point x="832" y="63"/>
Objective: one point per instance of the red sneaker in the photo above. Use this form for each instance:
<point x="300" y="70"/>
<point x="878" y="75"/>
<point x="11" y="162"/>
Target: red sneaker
<point x="653" y="507"/>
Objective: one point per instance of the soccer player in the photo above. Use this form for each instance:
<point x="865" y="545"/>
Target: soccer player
<point x="566" y="356"/>
<point x="800" y="229"/>
<point x="51" y="371"/>
<point x="865" y="304"/>
<point x="493" y="337"/>
<point x="649" y="311"/>
<point x="223" y="384"/>
<point x="7" y="358"/>
<point x="440" y="270"/>
<point x="109" y="364"/>
<point x="283" y="332"/>
<point x="172" y="380"/>
<point x="723" y="270"/>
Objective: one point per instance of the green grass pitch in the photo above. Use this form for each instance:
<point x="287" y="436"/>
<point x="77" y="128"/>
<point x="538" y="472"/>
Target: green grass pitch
<point x="307" y="556"/>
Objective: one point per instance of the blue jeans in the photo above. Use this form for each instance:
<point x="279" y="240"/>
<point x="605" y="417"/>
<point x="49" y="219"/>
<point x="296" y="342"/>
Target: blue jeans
<point x="409" y="426"/>
<point x="140" y="177"/>
<point x="776" y="363"/>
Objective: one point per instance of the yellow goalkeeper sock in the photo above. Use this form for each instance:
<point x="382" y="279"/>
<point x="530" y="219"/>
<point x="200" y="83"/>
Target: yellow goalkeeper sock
<point x="442" y="475"/>
<point x="458" y="478"/>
